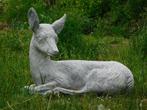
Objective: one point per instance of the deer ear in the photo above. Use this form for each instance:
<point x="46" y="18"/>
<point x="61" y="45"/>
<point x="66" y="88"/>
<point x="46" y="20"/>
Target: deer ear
<point x="59" y="24"/>
<point x="33" y="19"/>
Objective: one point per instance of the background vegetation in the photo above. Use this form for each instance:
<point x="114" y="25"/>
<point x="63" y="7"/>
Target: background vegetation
<point x="95" y="30"/>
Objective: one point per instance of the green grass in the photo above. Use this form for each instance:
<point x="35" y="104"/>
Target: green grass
<point x="94" y="30"/>
<point x="15" y="73"/>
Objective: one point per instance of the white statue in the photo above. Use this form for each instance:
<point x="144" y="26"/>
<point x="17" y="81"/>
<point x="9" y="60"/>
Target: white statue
<point x="69" y="76"/>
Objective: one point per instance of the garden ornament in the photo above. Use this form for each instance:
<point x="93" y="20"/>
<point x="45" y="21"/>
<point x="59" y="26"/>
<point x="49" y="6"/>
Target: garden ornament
<point x="69" y="76"/>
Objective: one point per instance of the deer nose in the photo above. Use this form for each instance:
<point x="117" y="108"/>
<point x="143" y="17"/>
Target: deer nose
<point x="56" y="52"/>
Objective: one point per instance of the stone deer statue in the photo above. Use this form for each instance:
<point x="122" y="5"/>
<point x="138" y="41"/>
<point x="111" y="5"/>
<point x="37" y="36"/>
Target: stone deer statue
<point x="69" y="76"/>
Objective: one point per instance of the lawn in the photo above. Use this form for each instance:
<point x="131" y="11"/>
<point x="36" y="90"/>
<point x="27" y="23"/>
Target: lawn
<point x="15" y="72"/>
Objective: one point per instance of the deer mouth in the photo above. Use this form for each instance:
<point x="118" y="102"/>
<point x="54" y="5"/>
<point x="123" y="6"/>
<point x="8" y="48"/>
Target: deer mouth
<point x="52" y="53"/>
<point x="49" y="54"/>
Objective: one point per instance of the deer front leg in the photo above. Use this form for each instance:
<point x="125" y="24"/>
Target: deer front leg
<point x="30" y="88"/>
<point x="41" y="88"/>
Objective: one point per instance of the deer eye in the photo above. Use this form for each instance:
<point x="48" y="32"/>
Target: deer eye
<point x="41" y="38"/>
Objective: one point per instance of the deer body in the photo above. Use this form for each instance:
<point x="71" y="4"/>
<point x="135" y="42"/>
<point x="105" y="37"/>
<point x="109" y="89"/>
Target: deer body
<point x="70" y="76"/>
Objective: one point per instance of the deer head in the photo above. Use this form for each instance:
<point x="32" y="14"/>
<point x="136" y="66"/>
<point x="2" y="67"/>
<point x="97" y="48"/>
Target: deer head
<point x="45" y="35"/>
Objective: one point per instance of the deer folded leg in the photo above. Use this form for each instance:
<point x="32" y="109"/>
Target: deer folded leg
<point x="69" y="91"/>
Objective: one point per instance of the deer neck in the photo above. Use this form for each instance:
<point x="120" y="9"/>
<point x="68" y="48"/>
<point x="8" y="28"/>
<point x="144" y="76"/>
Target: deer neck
<point x="36" y="57"/>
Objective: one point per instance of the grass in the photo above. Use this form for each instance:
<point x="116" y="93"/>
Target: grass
<point x="15" y="73"/>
